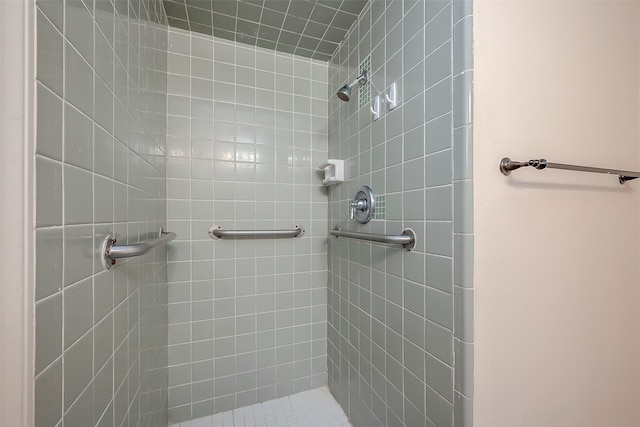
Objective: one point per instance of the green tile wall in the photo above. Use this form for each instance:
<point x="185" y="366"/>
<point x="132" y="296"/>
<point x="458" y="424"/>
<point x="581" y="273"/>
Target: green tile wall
<point x="400" y="323"/>
<point x="247" y="129"/>
<point x="101" y="337"/>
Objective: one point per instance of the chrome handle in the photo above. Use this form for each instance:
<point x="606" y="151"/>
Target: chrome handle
<point x="356" y="205"/>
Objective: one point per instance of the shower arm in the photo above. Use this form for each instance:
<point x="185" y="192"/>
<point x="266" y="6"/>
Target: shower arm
<point x="361" y="79"/>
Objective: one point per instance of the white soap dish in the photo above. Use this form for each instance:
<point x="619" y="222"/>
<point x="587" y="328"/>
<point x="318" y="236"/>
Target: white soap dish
<point x="333" y="171"/>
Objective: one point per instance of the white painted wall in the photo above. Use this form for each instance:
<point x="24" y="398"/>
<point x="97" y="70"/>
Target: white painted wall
<point x="557" y="300"/>
<point x="16" y="212"/>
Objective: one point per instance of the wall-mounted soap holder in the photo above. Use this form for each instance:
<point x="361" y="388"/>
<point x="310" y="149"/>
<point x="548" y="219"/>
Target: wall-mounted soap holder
<point x="333" y="171"/>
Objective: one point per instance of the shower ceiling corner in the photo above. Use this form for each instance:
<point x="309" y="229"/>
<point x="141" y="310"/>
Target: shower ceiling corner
<point x="309" y="28"/>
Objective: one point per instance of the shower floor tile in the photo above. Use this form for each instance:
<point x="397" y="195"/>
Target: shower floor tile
<point x="313" y="408"/>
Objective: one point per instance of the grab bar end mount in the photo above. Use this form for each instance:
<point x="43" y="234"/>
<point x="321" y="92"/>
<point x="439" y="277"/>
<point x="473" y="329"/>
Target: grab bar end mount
<point x="105" y="248"/>
<point x="412" y="244"/>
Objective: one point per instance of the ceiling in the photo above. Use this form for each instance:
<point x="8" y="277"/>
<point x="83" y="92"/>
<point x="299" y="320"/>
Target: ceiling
<point x="310" y="28"/>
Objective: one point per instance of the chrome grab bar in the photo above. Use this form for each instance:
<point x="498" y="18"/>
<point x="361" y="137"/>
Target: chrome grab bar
<point x="407" y="239"/>
<point x="507" y="166"/>
<point x="111" y="252"/>
<point x="216" y="233"/>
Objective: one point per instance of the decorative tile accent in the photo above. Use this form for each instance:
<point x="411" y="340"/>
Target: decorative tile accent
<point x="310" y="28"/>
<point x="380" y="211"/>
<point x="364" y="92"/>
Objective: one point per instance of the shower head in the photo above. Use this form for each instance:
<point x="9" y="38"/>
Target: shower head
<point x="345" y="91"/>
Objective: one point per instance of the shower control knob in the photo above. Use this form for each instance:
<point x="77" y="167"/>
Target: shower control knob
<point x="362" y="206"/>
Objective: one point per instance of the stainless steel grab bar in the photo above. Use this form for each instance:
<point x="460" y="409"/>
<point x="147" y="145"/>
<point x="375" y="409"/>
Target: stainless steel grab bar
<point x="507" y="166"/>
<point x="216" y="233"/>
<point x="407" y="238"/>
<point x="110" y="252"/>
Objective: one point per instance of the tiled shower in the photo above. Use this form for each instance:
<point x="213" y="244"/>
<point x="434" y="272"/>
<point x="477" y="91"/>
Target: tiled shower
<point x="247" y="318"/>
<point x="398" y="321"/>
<point x="100" y="169"/>
<point x="148" y="121"/>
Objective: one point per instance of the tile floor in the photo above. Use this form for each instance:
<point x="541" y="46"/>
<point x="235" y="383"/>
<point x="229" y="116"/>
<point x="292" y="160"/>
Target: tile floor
<point x="313" y="408"/>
